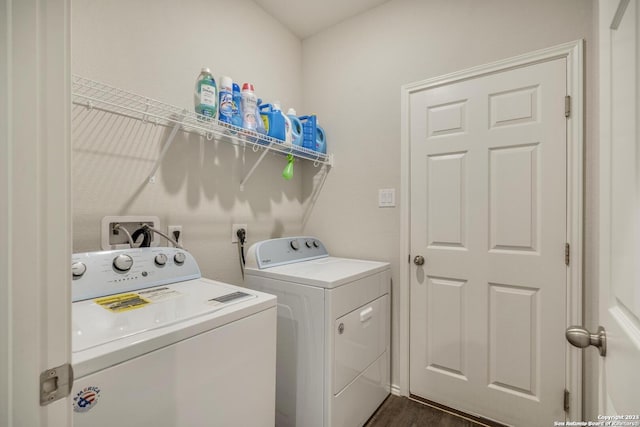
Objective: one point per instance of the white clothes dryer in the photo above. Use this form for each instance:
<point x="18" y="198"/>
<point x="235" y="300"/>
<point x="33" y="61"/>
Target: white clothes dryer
<point x="333" y="363"/>
<point x="154" y="344"/>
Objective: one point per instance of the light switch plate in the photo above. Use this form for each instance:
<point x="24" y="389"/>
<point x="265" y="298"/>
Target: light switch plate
<point x="387" y="197"/>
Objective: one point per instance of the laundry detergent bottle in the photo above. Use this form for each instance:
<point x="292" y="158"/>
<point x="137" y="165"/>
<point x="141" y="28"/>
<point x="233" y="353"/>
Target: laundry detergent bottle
<point x="288" y="134"/>
<point x="273" y="120"/>
<point x="296" y="127"/>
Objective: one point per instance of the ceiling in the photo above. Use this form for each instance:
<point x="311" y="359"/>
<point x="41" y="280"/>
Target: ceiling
<point x="307" y="17"/>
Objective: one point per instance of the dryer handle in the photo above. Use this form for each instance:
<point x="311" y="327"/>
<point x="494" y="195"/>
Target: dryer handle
<point x="366" y="314"/>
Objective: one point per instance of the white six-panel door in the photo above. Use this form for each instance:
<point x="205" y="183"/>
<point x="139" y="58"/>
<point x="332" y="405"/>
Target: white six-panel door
<point x="620" y="203"/>
<point x="488" y="212"/>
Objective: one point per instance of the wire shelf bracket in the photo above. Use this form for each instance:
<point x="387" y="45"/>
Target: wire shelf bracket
<point x="167" y="144"/>
<point x="253" y="168"/>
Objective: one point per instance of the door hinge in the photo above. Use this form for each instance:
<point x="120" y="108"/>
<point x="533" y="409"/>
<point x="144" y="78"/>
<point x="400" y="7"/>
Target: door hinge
<point x="566" y="400"/>
<point x="567" y="253"/>
<point x="567" y="106"/>
<point x="55" y="384"/>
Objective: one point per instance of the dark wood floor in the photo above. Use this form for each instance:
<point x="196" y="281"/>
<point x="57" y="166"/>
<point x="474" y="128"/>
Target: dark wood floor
<point x="404" y="412"/>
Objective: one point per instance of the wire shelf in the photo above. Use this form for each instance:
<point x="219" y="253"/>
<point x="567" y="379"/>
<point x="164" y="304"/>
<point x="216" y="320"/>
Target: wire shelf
<point x="93" y="94"/>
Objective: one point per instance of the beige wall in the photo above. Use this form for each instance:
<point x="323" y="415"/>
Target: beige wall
<point x="157" y="48"/>
<point x="352" y="74"/>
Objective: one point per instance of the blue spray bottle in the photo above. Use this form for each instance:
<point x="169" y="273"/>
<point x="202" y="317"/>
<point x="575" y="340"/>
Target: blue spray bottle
<point x="236" y="110"/>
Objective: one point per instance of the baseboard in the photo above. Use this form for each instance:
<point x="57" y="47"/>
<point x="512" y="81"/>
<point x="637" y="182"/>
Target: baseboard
<point x="395" y="390"/>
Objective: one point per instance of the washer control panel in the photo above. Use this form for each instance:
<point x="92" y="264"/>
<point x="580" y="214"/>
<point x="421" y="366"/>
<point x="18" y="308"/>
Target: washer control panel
<point x="270" y="253"/>
<point x="97" y="274"/>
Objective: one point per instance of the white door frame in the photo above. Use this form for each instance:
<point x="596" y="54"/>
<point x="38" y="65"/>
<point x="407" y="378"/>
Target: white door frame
<point x="35" y="206"/>
<point x="573" y="52"/>
<point x="623" y="339"/>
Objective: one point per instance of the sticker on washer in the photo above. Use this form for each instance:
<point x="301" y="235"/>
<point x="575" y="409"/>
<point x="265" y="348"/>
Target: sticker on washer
<point x="122" y="302"/>
<point x="159" y="294"/>
<point x="224" y="299"/>
<point x="86" y="399"/>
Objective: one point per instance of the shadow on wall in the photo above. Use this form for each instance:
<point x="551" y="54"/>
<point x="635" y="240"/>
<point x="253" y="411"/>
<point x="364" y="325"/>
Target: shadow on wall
<point x="312" y="185"/>
<point x="113" y="155"/>
<point x="197" y="184"/>
<point x="211" y="170"/>
<point x="278" y="230"/>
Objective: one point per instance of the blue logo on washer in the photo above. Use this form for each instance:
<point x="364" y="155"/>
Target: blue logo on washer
<point x="86" y="399"/>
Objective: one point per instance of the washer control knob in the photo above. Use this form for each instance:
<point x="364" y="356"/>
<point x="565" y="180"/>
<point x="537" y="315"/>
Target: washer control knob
<point x="123" y="262"/>
<point x="316" y="244"/>
<point x="78" y="269"/>
<point x="294" y="245"/>
<point x="309" y="244"/>
<point x="179" y="258"/>
<point x="160" y="260"/>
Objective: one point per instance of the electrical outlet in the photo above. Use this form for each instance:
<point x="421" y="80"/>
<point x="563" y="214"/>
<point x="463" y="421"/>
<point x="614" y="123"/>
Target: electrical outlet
<point x="171" y="229"/>
<point x="234" y="231"/>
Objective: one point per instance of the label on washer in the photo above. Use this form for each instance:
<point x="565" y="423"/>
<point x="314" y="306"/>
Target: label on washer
<point x="122" y="302"/>
<point x="159" y="294"/>
<point x="224" y="299"/>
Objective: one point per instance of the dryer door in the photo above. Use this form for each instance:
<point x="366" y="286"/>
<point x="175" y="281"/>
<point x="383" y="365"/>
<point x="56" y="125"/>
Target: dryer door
<point x="360" y="337"/>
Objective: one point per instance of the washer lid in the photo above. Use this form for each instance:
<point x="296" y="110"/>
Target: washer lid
<point x="329" y="272"/>
<point x="110" y="318"/>
<point x="103" y="337"/>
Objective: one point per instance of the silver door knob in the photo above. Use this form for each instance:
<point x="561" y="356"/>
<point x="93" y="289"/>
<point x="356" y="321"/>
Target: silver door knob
<point x="418" y="260"/>
<point x="581" y="338"/>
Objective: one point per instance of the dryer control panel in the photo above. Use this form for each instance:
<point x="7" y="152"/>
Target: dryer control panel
<point x="270" y="253"/>
<point x="97" y="274"/>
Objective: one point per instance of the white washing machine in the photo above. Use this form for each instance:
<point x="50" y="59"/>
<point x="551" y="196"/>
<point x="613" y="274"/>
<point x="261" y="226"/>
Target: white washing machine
<point x="154" y="344"/>
<point x="333" y="331"/>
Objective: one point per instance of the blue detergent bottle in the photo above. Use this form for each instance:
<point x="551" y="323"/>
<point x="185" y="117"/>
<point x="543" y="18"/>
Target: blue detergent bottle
<point x="273" y="120"/>
<point x="309" y="131"/>
<point x="321" y="140"/>
<point x="296" y="128"/>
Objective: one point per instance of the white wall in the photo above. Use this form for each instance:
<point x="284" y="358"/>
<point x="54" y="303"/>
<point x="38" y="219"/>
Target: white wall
<point x="157" y="48"/>
<point x="352" y="75"/>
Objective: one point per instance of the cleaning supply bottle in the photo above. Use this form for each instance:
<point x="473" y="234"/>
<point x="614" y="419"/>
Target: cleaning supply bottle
<point x="279" y="129"/>
<point x="249" y="106"/>
<point x="236" y="114"/>
<point x="288" y="138"/>
<point x="273" y="121"/>
<point x="226" y="99"/>
<point x="259" y="123"/>
<point x="296" y="127"/>
<point x="204" y="95"/>
<point x="309" y="131"/>
<point x="321" y="140"/>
